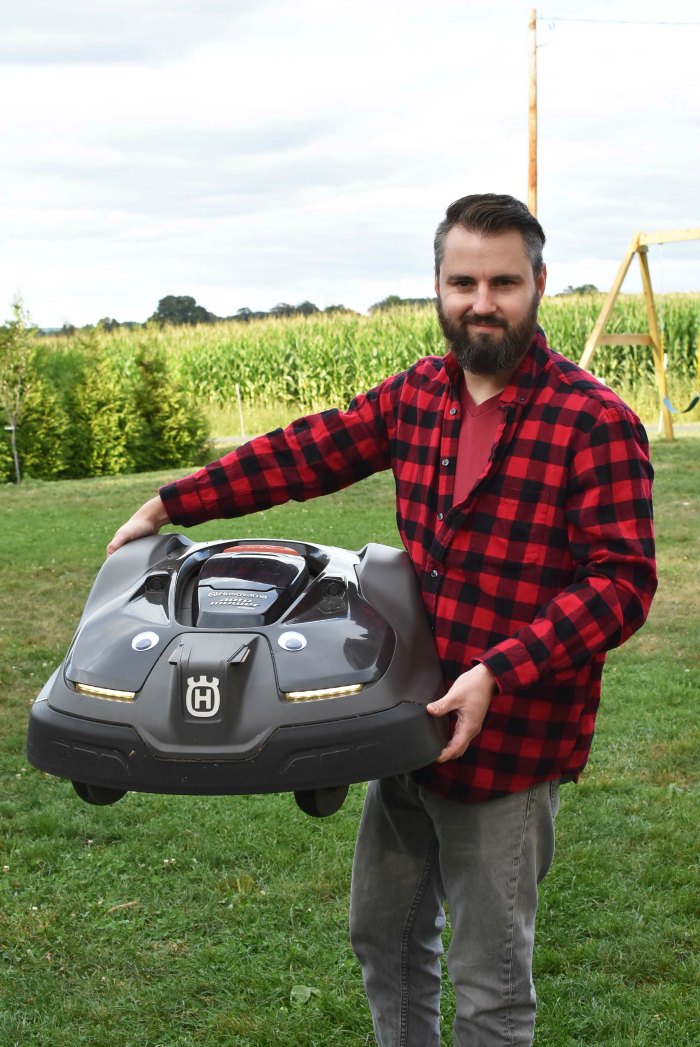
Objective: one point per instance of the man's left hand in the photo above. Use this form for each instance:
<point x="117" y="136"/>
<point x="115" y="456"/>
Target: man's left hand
<point x="469" y="698"/>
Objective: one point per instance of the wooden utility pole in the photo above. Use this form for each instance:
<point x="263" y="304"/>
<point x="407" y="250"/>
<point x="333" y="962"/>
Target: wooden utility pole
<point x="532" y="166"/>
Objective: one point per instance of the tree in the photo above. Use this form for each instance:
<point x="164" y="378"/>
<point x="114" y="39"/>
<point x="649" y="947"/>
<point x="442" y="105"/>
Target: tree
<point x="107" y="324"/>
<point x="181" y="309"/>
<point x="393" y="301"/>
<point x="583" y="289"/>
<point x="282" y="309"/>
<point x="307" y="309"/>
<point x="389" y="302"/>
<point x="285" y="309"/>
<point x="16" y="338"/>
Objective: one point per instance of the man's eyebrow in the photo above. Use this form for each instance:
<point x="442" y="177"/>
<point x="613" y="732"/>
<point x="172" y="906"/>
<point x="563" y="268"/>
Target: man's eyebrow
<point x="457" y="278"/>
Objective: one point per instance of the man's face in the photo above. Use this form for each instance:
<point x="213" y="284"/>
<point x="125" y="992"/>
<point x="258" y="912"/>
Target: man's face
<point x="487" y="299"/>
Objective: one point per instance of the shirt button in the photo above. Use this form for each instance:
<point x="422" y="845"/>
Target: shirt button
<point x="441" y="516"/>
<point x="453" y="410"/>
<point x="446" y="461"/>
<point x="434" y="573"/>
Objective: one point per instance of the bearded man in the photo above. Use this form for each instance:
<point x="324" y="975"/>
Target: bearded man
<point x="524" y="502"/>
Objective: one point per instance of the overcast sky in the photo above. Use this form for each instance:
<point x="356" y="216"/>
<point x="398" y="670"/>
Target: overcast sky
<point x="249" y="152"/>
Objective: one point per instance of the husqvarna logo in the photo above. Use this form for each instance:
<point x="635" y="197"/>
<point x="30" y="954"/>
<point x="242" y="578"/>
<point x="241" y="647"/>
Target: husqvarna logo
<point x="202" y="697"/>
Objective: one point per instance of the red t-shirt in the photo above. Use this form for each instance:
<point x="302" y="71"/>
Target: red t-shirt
<point x="477" y="435"/>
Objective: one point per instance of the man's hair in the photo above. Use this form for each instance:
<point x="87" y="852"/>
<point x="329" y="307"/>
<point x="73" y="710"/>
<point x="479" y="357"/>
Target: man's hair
<point x="491" y="214"/>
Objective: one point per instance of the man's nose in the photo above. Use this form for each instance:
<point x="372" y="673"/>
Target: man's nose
<point x="483" y="303"/>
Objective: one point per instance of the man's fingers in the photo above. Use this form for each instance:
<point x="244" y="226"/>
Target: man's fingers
<point x="464" y="732"/>
<point x="455" y="748"/>
<point x="468" y="698"/>
<point x="147" y="520"/>
<point x="126" y="533"/>
<point x="115" y="544"/>
<point x="440" y="708"/>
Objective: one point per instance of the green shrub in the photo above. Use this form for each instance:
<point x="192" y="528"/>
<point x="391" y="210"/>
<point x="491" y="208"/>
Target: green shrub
<point x="42" y="433"/>
<point x="7" y="468"/>
<point x="173" y="430"/>
<point x="91" y="411"/>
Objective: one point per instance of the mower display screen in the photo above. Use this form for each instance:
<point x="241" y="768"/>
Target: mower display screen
<point x="262" y="570"/>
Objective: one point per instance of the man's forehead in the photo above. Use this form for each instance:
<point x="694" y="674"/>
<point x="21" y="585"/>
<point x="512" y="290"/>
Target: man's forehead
<point x="464" y="247"/>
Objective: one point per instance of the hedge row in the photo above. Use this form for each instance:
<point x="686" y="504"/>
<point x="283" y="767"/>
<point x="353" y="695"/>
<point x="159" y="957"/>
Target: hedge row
<point x="92" y="412"/>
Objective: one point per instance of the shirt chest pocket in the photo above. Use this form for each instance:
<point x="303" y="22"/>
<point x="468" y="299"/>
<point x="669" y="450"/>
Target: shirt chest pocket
<point x="515" y="522"/>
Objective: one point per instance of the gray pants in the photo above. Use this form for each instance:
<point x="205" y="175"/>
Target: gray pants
<point x="414" y="852"/>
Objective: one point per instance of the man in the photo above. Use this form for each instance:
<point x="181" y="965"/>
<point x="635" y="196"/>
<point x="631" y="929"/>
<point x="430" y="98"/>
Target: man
<point x="524" y="502"/>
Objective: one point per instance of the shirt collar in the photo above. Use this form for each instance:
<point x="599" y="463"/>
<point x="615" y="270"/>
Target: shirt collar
<point x="521" y="386"/>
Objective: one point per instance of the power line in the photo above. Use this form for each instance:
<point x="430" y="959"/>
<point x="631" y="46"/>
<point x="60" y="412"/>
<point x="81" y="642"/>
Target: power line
<point x="610" y="21"/>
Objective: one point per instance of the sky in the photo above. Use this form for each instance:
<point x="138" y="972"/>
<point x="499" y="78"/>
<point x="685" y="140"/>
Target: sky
<point x="252" y="152"/>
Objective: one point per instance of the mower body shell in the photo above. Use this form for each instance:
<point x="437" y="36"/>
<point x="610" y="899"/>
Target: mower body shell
<point x="234" y="667"/>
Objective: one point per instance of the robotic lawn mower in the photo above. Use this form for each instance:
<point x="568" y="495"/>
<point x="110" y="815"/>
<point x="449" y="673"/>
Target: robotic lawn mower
<point x="242" y="667"/>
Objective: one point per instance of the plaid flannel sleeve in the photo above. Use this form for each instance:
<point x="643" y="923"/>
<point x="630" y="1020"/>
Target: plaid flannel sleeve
<point x="314" y="455"/>
<point x="610" y="531"/>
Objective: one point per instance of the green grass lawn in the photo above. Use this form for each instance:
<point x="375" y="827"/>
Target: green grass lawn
<point x="182" y="921"/>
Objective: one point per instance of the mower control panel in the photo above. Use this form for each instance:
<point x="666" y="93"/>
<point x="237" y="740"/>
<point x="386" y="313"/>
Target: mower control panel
<point x="244" y="587"/>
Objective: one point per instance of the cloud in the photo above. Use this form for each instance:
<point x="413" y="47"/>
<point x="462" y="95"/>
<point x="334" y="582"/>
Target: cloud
<point x="77" y="32"/>
<point x="264" y="150"/>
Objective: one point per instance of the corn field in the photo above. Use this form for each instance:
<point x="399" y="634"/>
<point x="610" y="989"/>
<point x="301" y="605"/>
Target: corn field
<point x="323" y="360"/>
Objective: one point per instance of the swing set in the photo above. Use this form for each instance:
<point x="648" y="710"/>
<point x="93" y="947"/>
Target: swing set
<point x="639" y="245"/>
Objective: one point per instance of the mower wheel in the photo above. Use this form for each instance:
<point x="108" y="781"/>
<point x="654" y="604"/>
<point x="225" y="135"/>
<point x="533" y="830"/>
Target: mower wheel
<point x="100" y="795"/>
<point x="319" y="803"/>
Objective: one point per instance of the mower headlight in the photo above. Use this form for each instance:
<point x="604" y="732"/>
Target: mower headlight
<point x="325" y="692"/>
<point x="105" y="692"/>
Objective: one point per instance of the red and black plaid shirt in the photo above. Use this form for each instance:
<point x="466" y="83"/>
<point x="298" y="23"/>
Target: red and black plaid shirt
<point x="548" y="564"/>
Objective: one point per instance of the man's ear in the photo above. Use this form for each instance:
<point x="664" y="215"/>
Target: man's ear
<point x="541" y="282"/>
<point x="437" y="282"/>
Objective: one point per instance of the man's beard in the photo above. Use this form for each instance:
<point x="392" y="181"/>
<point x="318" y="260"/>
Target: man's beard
<point x="484" y="353"/>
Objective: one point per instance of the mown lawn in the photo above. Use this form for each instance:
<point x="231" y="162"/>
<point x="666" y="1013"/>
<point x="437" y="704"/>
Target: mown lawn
<point x="182" y="922"/>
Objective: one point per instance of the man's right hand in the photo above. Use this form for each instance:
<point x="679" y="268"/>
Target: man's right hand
<point x="147" y="520"/>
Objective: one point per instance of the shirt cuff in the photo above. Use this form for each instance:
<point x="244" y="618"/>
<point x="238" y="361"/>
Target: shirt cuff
<point x="183" y="503"/>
